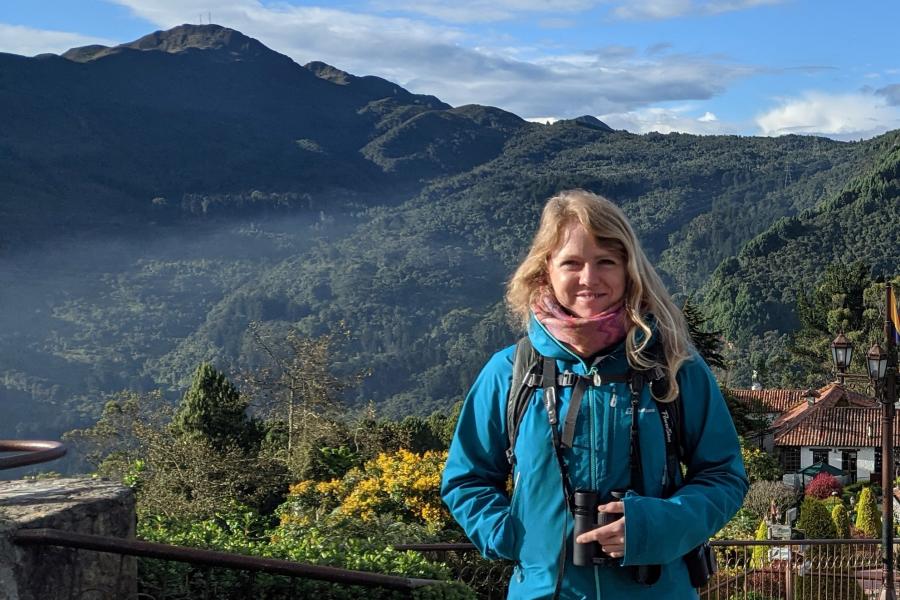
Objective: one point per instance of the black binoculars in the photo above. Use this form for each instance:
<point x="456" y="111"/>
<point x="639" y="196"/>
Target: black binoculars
<point x="584" y="509"/>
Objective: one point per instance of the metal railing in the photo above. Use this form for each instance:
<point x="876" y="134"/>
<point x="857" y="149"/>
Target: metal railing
<point x="748" y="570"/>
<point x="30" y="452"/>
<point x="201" y="582"/>
<point x="796" y="570"/>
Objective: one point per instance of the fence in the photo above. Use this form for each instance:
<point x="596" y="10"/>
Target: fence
<point x="748" y="570"/>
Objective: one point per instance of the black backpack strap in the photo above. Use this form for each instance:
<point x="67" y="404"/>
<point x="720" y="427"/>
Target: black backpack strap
<point x="636" y="383"/>
<point x="568" y="434"/>
<point x="525" y="378"/>
<point x="550" y="405"/>
<point x="669" y="415"/>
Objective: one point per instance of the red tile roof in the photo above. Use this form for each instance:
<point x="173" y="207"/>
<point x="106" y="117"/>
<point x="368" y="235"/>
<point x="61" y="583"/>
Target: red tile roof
<point x="839" y="417"/>
<point x="768" y="401"/>
<point x="846" y="426"/>
<point x="830" y="396"/>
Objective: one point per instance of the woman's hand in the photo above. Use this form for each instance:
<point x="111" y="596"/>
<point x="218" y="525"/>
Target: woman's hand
<point x="611" y="537"/>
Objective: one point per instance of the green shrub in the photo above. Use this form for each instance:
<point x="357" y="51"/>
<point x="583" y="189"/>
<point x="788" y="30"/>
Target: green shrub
<point x="868" y="519"/>
<point x="760" y="553"/>
<point x="742" y="526"/>
<point x="761" y="494"/>
<point x="841" y="519"/>
<point x="248" y="533"/>
<point x="815" y="520"/>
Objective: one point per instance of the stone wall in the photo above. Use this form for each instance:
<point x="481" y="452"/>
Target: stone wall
<point x="75" y="505"/>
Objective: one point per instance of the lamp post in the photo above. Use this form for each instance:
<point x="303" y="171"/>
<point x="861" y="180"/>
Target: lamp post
<point x="881" y="365"/>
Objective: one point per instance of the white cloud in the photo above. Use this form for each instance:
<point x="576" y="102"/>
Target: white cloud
<point x="16" y="39"/>
<point x="840" y="116"/>
<point x="668" y="120"/>
<point x="656" y="10"/>
<point x="445" y="61"/>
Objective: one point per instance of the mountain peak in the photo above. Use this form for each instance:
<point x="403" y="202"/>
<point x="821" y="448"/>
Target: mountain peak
<point x="180" y="39"/>
<point x="592" y="122"/>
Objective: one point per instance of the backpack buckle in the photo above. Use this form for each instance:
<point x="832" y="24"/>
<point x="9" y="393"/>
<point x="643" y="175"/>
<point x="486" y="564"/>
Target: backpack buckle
<point x="534" y="380"/>
<point x="567" y="379"/>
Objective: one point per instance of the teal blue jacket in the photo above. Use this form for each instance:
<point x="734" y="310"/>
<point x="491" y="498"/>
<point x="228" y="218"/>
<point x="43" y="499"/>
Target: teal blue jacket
<point x="533" y="528"/>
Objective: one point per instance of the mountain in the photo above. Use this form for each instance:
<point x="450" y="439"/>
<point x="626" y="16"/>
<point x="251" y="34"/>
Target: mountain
<point x="757" y="290"/>
<point x="160" y="196"/>
<point x="93" y="136"/>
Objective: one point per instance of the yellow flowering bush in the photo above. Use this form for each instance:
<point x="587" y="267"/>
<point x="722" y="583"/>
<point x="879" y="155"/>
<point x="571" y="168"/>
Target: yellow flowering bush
<point x="404" y="485"/>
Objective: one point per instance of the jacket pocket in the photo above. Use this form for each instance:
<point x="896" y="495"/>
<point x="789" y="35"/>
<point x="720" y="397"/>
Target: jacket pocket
<point x="510" y="537"/>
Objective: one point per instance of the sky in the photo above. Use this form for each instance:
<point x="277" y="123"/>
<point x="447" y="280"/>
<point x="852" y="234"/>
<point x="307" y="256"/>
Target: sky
<point x="747" y="67"/>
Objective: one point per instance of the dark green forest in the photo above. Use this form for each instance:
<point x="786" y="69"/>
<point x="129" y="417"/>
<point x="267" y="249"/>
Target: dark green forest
<point x="145" y="237"/>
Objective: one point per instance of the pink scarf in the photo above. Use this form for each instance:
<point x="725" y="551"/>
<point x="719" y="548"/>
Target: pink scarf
<point x="586" y="335"/>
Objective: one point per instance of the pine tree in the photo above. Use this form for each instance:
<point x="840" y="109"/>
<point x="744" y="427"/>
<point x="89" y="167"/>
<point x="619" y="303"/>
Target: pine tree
<point x="212" y="409"/>
<point x="708" y="343"/>
<point x="868" y="519"/>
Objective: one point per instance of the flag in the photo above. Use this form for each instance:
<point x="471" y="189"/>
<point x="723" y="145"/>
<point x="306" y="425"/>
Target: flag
<point x="893" y="315"/>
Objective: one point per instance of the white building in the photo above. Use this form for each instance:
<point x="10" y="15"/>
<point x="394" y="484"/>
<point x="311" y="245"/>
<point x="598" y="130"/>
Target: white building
<point x="833" y="425"/>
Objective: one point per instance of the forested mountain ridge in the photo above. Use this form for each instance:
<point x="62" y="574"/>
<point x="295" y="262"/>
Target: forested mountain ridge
<point x="203" y="116"/>
<point x="242" y="187"/>
<point x="757" y="290"/>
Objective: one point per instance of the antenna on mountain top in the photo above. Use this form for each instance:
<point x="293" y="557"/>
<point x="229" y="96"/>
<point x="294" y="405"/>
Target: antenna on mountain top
<point x="788" y="176"/>
<point x="209" y="18"/>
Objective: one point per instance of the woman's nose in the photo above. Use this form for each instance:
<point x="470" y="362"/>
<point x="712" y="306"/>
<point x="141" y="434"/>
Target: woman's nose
<point x="588" y="274"/>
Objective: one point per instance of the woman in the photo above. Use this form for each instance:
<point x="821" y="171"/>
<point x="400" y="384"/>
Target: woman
<point x="590" y="300"/>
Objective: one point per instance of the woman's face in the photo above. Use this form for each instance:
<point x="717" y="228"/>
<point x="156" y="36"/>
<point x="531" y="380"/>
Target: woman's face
<point x="586" y="277"/>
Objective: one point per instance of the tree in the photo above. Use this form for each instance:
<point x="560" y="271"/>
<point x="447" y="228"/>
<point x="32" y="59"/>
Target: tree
<point x="760" y="466"/>
<point x="192" y="470"/>
<point x="841" y="519"/>
<point x="846" y="300"/>
<point x="762" y="493"/>
<point x="868" y="519"/>
<point x="212" y="409"/>
<point x="119" y="438"/>
<point x="296" y="386"/>
<point x="708" y="343"/>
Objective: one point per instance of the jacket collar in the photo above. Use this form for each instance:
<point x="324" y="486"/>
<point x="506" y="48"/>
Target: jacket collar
<point x="546" y="345"/>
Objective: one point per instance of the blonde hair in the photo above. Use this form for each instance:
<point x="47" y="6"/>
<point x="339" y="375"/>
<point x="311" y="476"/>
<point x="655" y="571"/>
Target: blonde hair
<point x="645" y="293"/>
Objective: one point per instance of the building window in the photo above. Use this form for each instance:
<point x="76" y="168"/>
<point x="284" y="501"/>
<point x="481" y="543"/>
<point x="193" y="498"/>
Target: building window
<point x="790" y="459"/>
<point x="848" y="464"/>
<point x="820" y="455"/>
<point x="878" y="462"/>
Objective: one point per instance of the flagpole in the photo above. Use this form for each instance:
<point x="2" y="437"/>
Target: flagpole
<point x="889" y="398"/>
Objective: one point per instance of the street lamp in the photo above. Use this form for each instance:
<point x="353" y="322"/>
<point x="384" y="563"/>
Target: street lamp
<point x="841" y="352"/>
<point x="882" y="372"/>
